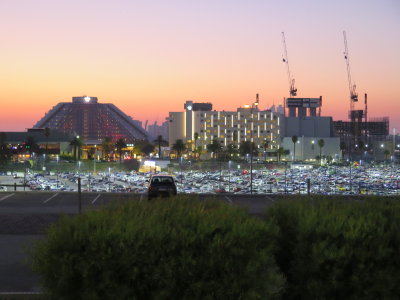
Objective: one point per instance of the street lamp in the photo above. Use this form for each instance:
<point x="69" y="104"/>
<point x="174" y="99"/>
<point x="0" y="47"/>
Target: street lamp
<point x="351" y="181"/>
<point x="253" y="105"/>
<point x="58" y="158"/>
<point x="44" y="164"/>
<point x="109" y="179"/>
<point x="229" y="176"/>
<point x="312" y="147"/>
<point x="94" y="159"/>
<point x="180" y="165"/>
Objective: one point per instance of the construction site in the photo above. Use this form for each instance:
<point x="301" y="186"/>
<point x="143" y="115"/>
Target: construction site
<point x="360" y="135"/>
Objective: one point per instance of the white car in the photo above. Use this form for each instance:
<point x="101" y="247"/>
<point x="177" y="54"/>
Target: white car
<point x="3" y="189"/>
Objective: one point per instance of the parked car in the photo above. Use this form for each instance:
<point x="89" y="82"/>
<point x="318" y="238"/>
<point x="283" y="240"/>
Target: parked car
<point x="161" y="185"/>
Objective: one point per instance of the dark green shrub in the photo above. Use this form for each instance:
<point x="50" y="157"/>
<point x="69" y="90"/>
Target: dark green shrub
<point x="171" y="249"/>
<point x="330" y="249"/>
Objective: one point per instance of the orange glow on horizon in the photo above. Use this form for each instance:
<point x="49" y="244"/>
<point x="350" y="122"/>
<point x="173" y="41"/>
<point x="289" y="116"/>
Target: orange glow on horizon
<point x="149" y="58"/>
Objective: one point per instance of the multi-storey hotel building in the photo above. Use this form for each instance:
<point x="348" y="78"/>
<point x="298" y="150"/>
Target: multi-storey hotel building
<point x="228" y="127"/>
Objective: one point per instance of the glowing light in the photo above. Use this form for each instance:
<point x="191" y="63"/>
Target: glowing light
<point x="150" y="163"/>
<point x="87" y="99"/>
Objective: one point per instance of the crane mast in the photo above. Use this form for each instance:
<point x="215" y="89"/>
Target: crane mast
<point x="292" y="89"/>
<point x="352" y="86"/>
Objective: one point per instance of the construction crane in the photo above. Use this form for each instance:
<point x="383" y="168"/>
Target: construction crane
<point x="352" y="86"/>
<point x="285" y="59"/>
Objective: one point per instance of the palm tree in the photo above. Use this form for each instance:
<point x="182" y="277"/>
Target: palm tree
<point x="235" y="137"/>
<point x="294" y="140"/>
<point x="160" y="142"/>
<point x="120" y="144"/>
<point x="386" y="153"/>
<point x="196" y="137"/>
<point x="144" y="147"/>
<point x="179" y="147"/>
<point x="4" y="150"/>
<point x="47" y="134"/>
<point x="279" y="152"/>
<point x="77" y="143"/>
<point x="107" y="147"/>
<point x="321" y="144"/>
<point x="215" y="147"/>
<point x="265" y="145"/>
<point x="199" y="151"/>
<point x="245" y="148"/>
<point x="231" y="149"/>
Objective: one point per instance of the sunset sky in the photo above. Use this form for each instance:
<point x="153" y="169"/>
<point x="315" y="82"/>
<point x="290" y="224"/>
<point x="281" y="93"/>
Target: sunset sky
<point x="149" y="57"/>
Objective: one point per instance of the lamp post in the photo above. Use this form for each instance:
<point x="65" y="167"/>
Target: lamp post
<point x="312" y="147"/>
<point x="180" y="166"/>
<point x="58" y="158"/>
<point x="109" y="179"/>
<point x="220" y="173"/>
<point x="229" y="176"/>
<point x="25" y="174"/>
<point x="253" y="105"/>
<point x="285" y="177"/>
<point x="44" y="164"/>
<point x="394" y="140"/>
<point x="351" y="182"/>
<point x="94" y="159"/>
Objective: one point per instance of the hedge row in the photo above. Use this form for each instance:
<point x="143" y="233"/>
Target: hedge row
<point x="335" y="249"/>
<point x="312" y="248"/>
<point x="174" y="249"/>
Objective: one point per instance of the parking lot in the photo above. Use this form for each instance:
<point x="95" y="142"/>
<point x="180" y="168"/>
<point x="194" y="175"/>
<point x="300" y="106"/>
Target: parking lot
<point x="374" y="180"/>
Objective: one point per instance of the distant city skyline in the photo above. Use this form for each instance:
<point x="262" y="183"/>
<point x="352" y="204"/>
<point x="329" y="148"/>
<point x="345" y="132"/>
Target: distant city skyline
<point x="148" y="58"/>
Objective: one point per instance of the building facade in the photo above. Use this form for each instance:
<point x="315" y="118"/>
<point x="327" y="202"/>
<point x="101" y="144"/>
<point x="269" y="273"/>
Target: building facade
<point x="91" y="121"/>
<point x="228" y="127"/>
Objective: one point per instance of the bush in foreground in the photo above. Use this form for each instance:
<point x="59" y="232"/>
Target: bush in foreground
<point x="173" y="249"/>
<point x="331" y="249"/>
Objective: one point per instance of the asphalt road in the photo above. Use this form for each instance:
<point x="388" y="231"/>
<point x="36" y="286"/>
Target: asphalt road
<point x="24" y="216"/>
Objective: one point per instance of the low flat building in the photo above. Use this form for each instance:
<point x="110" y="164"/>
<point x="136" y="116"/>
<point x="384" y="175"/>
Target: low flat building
<point x="56" y="143"/>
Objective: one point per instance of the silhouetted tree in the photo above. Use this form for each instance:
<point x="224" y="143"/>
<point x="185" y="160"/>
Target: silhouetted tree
<point x="245" y="148"/>
<point x="5" y="152"/>
<point x="160" y="142"/>
<point x="76" y="143"/>
<point x="196" y="137"/>
<point x="386" y="152"/>
<point x="280" y="152"/>
<point x="179" y="147"/>
<point x="214" y="147"/>
<point x="107" y="146"/>
<point x="145" y="147"/>
<point x="120" y="144"/>
<point x="265" y="146"/>
<point x="231" y="149"/>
